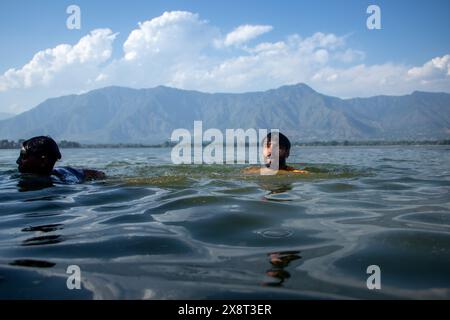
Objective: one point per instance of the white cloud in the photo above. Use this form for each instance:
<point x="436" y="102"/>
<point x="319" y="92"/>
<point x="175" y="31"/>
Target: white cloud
<point x="153" y="52"/>
<point x="436" y="68"/>
<point x="268" y="65"/>
<point x="180" y="49"/>
<point x="350" y="55"/>
<point x="46" y="65"/>
<point x="173" y="33"/>
<point x="245" y="33"/>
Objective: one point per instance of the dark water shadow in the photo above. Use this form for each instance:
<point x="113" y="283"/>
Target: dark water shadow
<point x="42" y="240"/>
<point x="32" y="263"/>
<point x="44" y="228"/>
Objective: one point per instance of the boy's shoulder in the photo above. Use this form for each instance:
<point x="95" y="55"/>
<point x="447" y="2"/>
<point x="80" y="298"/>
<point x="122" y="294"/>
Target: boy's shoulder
<point x="294" y="170"/>
<point x="68" y="175"/>
<point x="75" y="175"/>
<point x="251" y="170"/>
<point x="288" y="169"/>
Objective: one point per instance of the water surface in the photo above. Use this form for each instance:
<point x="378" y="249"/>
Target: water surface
<point x="154" y="230"/>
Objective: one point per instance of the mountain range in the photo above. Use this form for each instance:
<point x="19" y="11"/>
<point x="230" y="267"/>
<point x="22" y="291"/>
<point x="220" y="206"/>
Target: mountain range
<point x="125" y="115"/>
<point x="4" y="115"/>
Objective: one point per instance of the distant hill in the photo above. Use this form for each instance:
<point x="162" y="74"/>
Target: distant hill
<point x="124" y="115"/>
<point x="4" y="115"/>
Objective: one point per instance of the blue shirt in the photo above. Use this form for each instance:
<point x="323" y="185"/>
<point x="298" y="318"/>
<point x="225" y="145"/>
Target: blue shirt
<point x="67" y="175"/>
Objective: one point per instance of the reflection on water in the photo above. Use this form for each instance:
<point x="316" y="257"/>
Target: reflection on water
<point x="33" y="183"/>
<point x="280" y="261"/>
<point x="277" y="191"/>
<point x="154" y="230"/>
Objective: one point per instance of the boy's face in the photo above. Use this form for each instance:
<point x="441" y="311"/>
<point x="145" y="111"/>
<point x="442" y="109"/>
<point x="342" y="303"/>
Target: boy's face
<point x="267" y="153"/>
<point x="31" y="163"/>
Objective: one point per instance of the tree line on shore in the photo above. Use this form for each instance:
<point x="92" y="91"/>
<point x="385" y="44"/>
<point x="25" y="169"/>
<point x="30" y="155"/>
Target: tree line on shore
<point x="7" y="144"/>
<point x="374" y="142"/>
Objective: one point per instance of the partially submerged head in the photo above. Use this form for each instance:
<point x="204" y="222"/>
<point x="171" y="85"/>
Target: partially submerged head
<point x="38" y="155"/>
<point x="270" y="143"/>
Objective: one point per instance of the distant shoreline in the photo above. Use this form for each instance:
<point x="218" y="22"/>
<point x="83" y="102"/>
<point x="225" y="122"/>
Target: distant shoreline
<point x="6" y="144"/>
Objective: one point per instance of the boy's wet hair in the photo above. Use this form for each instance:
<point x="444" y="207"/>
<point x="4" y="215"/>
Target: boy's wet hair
<point x="283" y="141"/>
<point x="42" y="146"/>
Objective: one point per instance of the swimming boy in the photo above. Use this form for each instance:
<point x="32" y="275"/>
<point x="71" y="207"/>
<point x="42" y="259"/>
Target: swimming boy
<point x="284" y="147"/>
<point x="39" y="155"/>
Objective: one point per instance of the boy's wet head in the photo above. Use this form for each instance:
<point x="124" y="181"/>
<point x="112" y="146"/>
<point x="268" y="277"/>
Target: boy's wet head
<point x="284" y="146"/>
<point x="38" y="155"/>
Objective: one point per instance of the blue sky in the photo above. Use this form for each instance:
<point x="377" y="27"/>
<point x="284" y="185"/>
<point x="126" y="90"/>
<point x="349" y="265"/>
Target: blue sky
<point x="323" y="43"/>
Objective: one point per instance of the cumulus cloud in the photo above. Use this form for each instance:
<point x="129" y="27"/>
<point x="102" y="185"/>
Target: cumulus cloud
<point x="182" y="50"/>
<point x="154" y="51"/>
<point x="245" y="33"/>
<point x="92" y="50"/>
<point x="438" y="67"/>
<point x="173" y="33"/>
<point x="292" y="60"/>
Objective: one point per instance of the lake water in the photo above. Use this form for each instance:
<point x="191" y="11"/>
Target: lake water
<point x="154" y="230"/>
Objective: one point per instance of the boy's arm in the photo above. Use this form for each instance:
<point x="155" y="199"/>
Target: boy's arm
<point x="251" y="170"/>
<point x="93" y="174"/>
